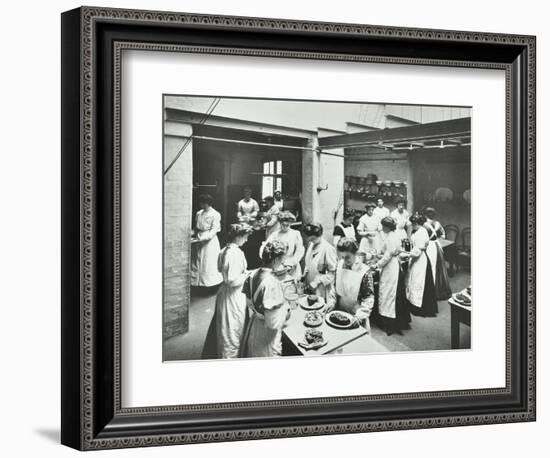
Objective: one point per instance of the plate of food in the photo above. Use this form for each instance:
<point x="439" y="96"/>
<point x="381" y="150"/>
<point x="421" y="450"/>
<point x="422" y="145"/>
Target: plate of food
<point x="340" y="320"/>
<point x="313" y="340"/>
<point x="313" y="319"/>
<point x="312" y="302"/>
<point x="463" y="298"/>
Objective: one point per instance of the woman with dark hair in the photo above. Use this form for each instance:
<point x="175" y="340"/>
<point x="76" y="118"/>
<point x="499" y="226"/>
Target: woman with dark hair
<point x="293" y="240"/>
<point x="320" y="264"/>
<point x="272" y="217"/>
<point x="435" y="252"/>
<point x="224" y="335"/>
<point x="354" y="283"/>
<point x="369" y="229"/>
<point x="391" y="295"/>
<point x="345" y="228"/>
<point x="278" y="200"/>
<point x="206" y="246"/>
<point x="420" y="286"/>
<point x="268" y="310"/>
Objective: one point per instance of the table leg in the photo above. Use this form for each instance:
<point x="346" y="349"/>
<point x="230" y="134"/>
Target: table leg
<point x="455" y="328"/>
<point x="289" y="349"/>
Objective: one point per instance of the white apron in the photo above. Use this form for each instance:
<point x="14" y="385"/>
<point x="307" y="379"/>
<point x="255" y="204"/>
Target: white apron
<point x="204" y="254"/>
<point x="372" y="242"/>
<point x="431" y="250"/>
<point x="389" y="275"/>
<point x="318" y="263"/>
<point x="230" y="302"/>
<point x="401" y="221"/>
<point x="348" y="286"/>
<point x="416" y="275"/>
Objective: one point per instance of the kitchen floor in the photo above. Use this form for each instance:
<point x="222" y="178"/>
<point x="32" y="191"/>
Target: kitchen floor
<point x="426" y="333"/>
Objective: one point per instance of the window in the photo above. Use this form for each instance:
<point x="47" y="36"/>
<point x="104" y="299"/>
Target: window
<point x="272" y="178"/>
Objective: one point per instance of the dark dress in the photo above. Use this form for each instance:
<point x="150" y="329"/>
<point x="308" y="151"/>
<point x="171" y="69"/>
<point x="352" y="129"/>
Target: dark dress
<point x="429" y="299"/>
<point x="402" y="318"/>
<point x="442" y="286"/>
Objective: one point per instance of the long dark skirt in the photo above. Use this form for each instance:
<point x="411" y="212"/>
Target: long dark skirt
<point x="402" y="313"/>
<point x="442" y="286"/>
<point x="429" y="299"/>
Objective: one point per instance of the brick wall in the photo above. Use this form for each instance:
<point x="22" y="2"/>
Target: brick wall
<point x="177" y="228"/>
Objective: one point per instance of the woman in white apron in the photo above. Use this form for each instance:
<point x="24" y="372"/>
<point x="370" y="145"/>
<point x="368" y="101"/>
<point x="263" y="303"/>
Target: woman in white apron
<point x="369" y="230"/>
<point x="225" y="333"/>
<point x="436" y="232"/>
<point x="419" y="283"/>
<point x="205" y="246"/>
<point x="320" y="264"/>
<point x="267" y="309"/>
<point x="391" y="294"/>
<point x="345" y="228"/>
<point x="293" y="240"/>
<point x="247" y="208"/>
<point x="401" y="217"/>
<point x="353" y="286"/>
<point x="272" y="217"/>
<point x="278" y="200"/>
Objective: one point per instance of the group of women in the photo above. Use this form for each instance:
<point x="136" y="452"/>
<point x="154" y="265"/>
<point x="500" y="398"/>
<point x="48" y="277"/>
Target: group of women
<point x="251" y="308"/>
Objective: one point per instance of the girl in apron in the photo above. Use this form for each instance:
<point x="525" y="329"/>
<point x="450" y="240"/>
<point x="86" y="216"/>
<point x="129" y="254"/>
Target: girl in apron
<point x="345" y="228"/>
<point x="369" y="230"/>
<point x="401" y="217"/>
<point x="391" y="295"/>
<point x="294" y="242"/>
<point x="436" y="232"/>
<point x="419" y="283"/>
<point x="354" y="286"/>
<point x="267" y="308"/>
<point x="320" y="264"/>
<point x="225" y="333"/>
<point x="205" y="246"/>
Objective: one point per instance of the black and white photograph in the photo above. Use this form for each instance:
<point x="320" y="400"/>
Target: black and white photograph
<point x="307" y="228"/>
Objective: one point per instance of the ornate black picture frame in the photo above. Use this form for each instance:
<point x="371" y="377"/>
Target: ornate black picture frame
<point x="92" y="42"/>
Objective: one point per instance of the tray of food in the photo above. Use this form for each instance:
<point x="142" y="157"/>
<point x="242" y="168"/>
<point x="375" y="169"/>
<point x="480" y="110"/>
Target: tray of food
<point x="312" y="302"/>
<point x="464" y="297"/>
<point x="340" y="320"/>
<point x="313" y="340"/>
<point x="313" y="319"/>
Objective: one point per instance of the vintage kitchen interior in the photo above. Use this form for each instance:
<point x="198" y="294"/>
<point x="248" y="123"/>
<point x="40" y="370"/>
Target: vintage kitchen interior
<point x="306" y="228"/>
